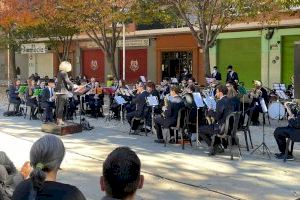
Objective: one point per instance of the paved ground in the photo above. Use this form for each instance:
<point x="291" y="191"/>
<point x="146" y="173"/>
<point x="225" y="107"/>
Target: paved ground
<point x="171" y="173"/>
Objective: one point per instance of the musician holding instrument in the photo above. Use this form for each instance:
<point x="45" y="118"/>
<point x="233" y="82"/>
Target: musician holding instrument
<point x="256" y="93"/>
<point x="31" y="98"/>
<point x="14" y="97"/>
<point x="48" y="101"/>
<point x="169" y="116"/>
<point x="96" y="100"/>
<point x="139" y="102"/>
<point x="223" y="109"/>
<point x="292" y="130"/>
<point x="62" y="89"/>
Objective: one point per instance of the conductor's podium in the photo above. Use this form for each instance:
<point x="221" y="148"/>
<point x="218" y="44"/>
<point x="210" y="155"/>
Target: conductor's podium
<point x="68" y="128"/>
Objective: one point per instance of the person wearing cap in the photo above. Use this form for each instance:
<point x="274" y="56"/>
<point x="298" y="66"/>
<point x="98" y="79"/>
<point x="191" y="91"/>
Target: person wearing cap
<point x="256" y="94"/>
<point x="232" y="76"/>
<point x="216" y="74"/>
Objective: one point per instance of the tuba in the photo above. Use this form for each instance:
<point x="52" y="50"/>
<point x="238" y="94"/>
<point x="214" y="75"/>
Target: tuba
<point x="292" y="107"/>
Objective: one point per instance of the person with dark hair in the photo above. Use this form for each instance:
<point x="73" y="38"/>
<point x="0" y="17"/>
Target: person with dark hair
<point x="48" y="101"/>
<point x="31" y="100"/>
<point x="46" y="156"/>
<point x="216" y="74"/>
<point x="150" y="87"/>
<point x="172" y="105"/>
<point x="232" y="76"/>
<point x="140" y="105"/>
<point x="13" y="94"/>
<point x="121" y="175"/>
<point x="223" y="109"/>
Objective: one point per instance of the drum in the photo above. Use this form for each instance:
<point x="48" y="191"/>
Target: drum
<point x="276" y="110"/>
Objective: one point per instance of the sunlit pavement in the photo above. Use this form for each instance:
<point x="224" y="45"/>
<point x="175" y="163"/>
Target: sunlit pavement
<point x="171" y="173"/>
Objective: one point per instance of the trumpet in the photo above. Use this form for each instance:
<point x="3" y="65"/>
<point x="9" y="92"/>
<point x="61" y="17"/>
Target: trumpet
<point x="292" y="108"/>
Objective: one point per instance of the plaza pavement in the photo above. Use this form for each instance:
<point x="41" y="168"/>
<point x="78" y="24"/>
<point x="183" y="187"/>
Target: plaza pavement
<point x="170" y="173"/>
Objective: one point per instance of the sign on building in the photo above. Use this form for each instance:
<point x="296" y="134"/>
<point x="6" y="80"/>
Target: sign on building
<point x="134" y="43"/>
<point x="33" y="48"/>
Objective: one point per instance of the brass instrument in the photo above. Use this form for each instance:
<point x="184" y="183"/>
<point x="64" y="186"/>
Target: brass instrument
<point x="293" y="108"/>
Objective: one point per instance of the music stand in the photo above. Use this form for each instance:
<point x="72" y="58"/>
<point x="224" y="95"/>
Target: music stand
<point x="81" y="91"/>
<point x="153" y="102"/>
<point x="264" y="146"/>
<point x="199" y="104"/>
<point x="120" y="101"/>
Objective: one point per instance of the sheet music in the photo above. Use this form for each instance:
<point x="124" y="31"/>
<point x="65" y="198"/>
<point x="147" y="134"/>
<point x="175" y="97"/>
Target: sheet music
<point x="263" y="105"/>
<point x="143" y="79"/>
<point x="210" y="103"/>
<point x="198" y="100"/>
<point x="120" y="100"/>
<point x="281" y="94"/>
<point x="152" y="101"/>
<point x="174" y="80"/>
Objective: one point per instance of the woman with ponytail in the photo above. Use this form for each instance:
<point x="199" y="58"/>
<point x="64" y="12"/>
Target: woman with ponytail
<point x="46" y="156"/>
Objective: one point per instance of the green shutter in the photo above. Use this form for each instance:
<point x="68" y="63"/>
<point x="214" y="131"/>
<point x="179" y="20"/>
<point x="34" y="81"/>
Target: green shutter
<point x="244" y="54"/>
<point x="287" y="67"/>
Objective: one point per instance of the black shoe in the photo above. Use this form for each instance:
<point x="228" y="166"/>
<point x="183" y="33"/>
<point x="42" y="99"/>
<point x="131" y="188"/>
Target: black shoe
<point x="160" y="141"/>
<point x="212" y="151"/>
<point x="278" y="155"/>
<point x="289" y="157"/>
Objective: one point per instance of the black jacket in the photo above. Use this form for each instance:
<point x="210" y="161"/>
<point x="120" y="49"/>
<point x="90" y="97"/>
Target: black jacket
<point x="223" y="109"/>
<point x="232" y="78"/>
<point x="45" y="97"/>
<point x="217" y="76"/>
<point x="140" y="102"/>
<point x="13" y="92"/>
<point x="175" y="104"/>
<point x="295" y="122"/>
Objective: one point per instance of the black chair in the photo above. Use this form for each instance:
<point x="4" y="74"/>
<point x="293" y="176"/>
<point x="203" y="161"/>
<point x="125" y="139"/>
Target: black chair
<point x="179" y="128"/>
<point x="142" y="119"/>
<point x="245" y="128"/>
<point x="290" y="141"/>
<point x="230" y="135"/>
<point x="9" y="103"/>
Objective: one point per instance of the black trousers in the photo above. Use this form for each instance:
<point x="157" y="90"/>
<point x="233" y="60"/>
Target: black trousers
<point x="61" y="103"/>
<point x="159" y="121"/>
<point x="282" y="133"/>
<point x="16" y="102"/>
<point x="48" y="113"/>
<point x="206" y="132"/>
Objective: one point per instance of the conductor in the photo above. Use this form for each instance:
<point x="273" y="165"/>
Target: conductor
<point x="64" y="85"/>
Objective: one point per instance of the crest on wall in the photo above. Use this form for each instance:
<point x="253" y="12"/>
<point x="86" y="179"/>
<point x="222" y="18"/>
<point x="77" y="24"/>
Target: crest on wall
<point x="94" y="65"/>
<point x="134" y="65"/>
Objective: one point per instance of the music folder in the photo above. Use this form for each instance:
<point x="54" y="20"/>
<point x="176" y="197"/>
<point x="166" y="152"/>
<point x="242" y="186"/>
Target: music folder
<point x="198" y="100"/>
<point x="210" y="103"/>
<point x="152" y="101"/>
<point x="120" y="100"/>
<point x="263" y="105"/>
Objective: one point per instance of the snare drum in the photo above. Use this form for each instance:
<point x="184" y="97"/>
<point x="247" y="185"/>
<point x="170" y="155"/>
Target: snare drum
<point x="276" y="110"/>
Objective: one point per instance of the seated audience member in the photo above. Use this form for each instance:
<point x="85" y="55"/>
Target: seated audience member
<point x="31" y="99"/>
<point x="171" y="109"/>
<point x="223" y="109"/>
<point x="48" y="101"/>
<point x="121" y="175"/>
<point x="14" y="97"/>
<point x="9" y="175"/>
<point x="140" y="104"/>
<point x="46" y="156"/>
<point x="292" y="131"/>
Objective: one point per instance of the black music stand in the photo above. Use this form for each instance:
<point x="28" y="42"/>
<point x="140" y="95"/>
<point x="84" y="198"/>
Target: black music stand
<point x="153" y="102"/>
<point x="199" y="104"/>
<point x="265" y="148"/>
<point x="120" y="101"/>
<point x="81" y="94"/>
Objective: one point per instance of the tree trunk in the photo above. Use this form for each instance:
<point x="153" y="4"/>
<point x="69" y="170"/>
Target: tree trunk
<point x="12" y="64"/>
<point x="111" y="63"/>
<point x="206" y="61"/>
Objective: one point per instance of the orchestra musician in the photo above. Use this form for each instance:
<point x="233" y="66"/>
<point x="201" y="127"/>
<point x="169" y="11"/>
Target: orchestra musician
<point x="13" y="94"/>
<point x="257" y="92"/>
<point x="96" y="100"/>
<point x="62" y="89"/>
<point x="31" y="99"/>
<point x="48" y="101"/>
<point x="216" y="74"/>
<point x="223" y="109"/>
<point x="292" y="130"/>
<point x="185" y="75"/>
<point x="169" y="117"/>
<point x="150" y="87"/>
<point x="139" y="101"/>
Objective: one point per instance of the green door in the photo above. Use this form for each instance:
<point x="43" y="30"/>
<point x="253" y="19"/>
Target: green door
<point x="287" y="66"/>
<point x="244" y="54"/>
